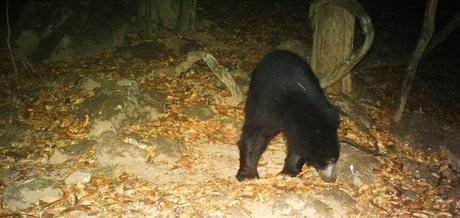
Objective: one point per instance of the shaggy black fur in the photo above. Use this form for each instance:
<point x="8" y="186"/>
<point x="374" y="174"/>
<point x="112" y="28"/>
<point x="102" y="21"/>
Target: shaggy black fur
<point x="285" y="96"/>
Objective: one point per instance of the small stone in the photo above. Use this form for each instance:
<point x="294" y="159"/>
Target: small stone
<point x="58" y="157"/>
<point x="89" y="85"/>
<point x="77" y="177"/>
<point x="409" y="194"/>
<point x="200" y="112"/>
<point x="126" y="83"/>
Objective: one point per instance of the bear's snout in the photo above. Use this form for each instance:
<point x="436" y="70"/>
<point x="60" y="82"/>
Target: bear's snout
<point x="328" y="173"/>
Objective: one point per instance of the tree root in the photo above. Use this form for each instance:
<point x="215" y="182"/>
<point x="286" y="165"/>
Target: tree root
<point x="353" y="117"/>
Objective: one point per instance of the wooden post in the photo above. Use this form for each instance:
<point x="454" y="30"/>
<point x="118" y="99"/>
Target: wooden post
<point x="332" y="41"/>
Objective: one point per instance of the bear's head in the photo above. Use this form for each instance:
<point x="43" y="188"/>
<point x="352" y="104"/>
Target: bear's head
<point x="326" y="147"/>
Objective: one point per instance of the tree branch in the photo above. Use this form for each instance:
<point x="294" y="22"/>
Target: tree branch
<point x="219" y="71"/>
<point x="444" y="33"/>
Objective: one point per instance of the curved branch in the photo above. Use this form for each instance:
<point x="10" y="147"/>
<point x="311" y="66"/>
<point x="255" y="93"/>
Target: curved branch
<point x="355" y="57"/>
<point x="219" y="71"/>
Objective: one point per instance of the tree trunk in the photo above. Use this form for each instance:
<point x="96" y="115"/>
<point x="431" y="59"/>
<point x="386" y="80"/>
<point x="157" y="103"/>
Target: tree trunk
<point x="424" y="37"/>
<point x="152" y="14"/>
<point x="145" y="16"/>
<point x="332" y="41"/>
<point x="187" y="15"/>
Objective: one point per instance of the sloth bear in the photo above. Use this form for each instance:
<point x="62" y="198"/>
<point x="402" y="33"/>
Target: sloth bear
<point x="285" y="96"/>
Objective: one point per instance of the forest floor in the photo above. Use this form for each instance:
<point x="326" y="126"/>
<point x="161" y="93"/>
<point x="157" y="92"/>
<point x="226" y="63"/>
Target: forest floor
<point x="180" y="159"/>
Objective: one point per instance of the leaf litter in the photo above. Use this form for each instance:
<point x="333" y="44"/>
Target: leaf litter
<point x="205" y="185"/>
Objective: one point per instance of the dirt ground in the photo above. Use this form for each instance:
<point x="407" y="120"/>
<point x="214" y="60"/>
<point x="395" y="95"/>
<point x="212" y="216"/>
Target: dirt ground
<point x="114" y="136"/>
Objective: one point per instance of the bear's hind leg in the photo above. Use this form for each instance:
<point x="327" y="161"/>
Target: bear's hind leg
<point x="253" y="143"/>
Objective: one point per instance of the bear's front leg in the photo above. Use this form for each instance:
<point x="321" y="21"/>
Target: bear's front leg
<point x="293" y="164"/>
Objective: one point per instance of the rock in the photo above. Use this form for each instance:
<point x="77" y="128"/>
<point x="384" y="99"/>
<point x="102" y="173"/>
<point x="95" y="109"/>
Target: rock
<point x="291" y="204"/>
<point x="79" y="148"/>
<point x="9" y="112"/>
<point x="28" y="194"/>
<point x="116" y="157"/>
<point x="155" y="99"/>
<point x="321" y="209"/>
<point x="258" y="209"/>
<point x="89" y="84"/>
<point x="103" y="106"/>
<point x="356" y="167"/>
<point x="112" y="151"/>
<point x="337" y="196"/>
<point x="128" y="84"/>
<point x="167" y="149"/>
<point x="118" y="105"/>
<point x="58" y="157"/>
<point x="229" y="122"/>
<point x="9" y="132"/>
<point x="101" y="126"/>
<point x="453" y="159"/>
<point x="71" y="151"/>
<point x="409" y="194"/>
<point x="143" y="113"/>
<point x="9" y="174"/>
<point x="77" y="177"/>
<point x="166" y="145"/>
<point x="200" y="112"/>
<point x="419" y="171"/>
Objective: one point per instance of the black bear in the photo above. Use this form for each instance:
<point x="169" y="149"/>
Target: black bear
<point x="285" y="96"/>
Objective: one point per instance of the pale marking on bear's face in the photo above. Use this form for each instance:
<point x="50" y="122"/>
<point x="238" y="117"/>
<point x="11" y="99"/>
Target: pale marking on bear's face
<point x="328" y="170"/>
